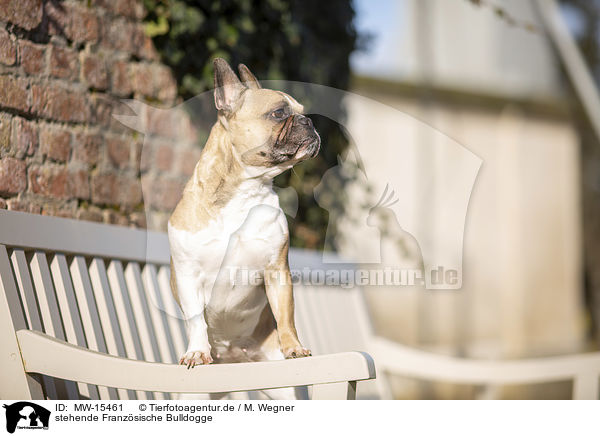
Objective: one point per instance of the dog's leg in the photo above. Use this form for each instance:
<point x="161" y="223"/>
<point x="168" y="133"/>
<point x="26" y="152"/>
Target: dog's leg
<point x="185" y="286"/>
<point x="278" y="285"/>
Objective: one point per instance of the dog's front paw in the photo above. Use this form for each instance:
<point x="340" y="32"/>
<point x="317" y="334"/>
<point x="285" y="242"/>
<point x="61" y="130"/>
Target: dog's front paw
<point x="193" y="358"/>
<point x="295" y="351"/>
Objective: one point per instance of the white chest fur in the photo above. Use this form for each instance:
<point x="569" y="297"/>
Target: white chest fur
<point x="247" y="234"/>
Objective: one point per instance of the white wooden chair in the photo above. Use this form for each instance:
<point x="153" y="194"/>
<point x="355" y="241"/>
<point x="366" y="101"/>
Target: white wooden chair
<point x="331" y="319"/>
<point x="86" y="312"/>
<point x="105" y="290"/>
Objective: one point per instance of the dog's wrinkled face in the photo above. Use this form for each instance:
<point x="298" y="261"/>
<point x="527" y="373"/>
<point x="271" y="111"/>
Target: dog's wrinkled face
<point x="267" y="127"/>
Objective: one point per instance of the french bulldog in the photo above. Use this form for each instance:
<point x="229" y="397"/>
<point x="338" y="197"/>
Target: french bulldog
<point x="229" y="220"/>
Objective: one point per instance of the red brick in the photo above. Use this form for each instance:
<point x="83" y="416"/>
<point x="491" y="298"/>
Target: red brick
<point x="55" y="143"/>
<point x="127" y="8"/>
<point x="83" y="24"/>
<point x="78" y="184"/>
<point x="14" y="93"/>
<point x="130" y="191"/>
<point x="57" y="16"/>
<point x="23" y="205"/>
<point x="8" y="49"/>
<point x="13" y="178"/>
<point x="141" y="44"/>
<point x="166" y="84"/>
<point x="120" y="78"/>
<point x="25" y="137"/>
<point x="59" y="182"/>
<point x="164" y="122"/>
<point x="142" y="79"/>
<point x="55" y="103"/>
<point x="164" y="158"/>
<point x="74" y="22"/>
<point x="64" y="63"/>
<point x="32" y="57"/>
<point x="102" y="109"/>
<point x="5" y="131"/>
<point x="163" y="194"/>
<point x="86" y="148"/>
<point x="119" y="151"/>
<point x="24" y="13"/>
<point x="49" y="181"/>
<point x="188" y="160"/>
<point x="119" y="35"/>
<point x="113" y="189"/>
<point x="94" y="72"/>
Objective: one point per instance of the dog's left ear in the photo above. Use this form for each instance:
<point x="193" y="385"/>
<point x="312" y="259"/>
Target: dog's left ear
<point x="228" y="87"/>
<point x="248" y="78"/>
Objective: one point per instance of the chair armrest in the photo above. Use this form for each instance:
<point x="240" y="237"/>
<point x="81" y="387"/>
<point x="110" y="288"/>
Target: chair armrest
<point x="583" y="369"/>
<point x="43" y="354"/>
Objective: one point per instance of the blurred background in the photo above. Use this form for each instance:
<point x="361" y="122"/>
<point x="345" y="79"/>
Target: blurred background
<point x="488" y="74"/>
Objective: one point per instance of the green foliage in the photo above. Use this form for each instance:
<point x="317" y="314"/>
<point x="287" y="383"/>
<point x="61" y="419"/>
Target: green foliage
<point x="306" y="41"/>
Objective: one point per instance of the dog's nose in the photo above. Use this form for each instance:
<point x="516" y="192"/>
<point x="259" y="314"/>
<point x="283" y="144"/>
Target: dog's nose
<point x="305" y="121"/>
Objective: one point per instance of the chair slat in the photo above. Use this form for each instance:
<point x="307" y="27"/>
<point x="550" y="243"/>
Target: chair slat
<point x="141" y="310"/>
<point x="90" y="318"/>
<point x="13" y="382"/>
<point x="174" y="314"/>
<point x="159" y="318"/>
<point x="50" y="314"/>
<point x="30" y="303"/>
<point x="156" y="305"/>
<point x="129" y="329"/>
<point x="148" y="334"/>
<point x="70" y="312"/>
<point x="108" y="316"/>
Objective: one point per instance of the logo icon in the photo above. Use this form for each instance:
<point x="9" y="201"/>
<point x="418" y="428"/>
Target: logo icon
<point x="26" y="415"/>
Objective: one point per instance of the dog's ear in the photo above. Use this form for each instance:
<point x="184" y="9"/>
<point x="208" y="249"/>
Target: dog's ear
<point x="248" y="78"/>
<point x="228" y="87"/>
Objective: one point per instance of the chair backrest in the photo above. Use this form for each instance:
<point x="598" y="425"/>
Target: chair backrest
<point x="106" y="288"/>
<point x="102" y="287"/>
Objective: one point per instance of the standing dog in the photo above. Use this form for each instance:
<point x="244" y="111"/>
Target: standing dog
<point x="229" y="220"/>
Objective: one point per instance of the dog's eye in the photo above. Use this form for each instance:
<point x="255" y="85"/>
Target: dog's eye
<point x="279" y="114"/>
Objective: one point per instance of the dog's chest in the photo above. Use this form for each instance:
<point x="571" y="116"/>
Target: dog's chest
<point x="247" y="233"/>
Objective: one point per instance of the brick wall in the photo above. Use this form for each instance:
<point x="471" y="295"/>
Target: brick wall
<point x="64" y="67"/>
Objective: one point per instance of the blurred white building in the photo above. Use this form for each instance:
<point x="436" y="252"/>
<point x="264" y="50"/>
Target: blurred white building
<point x="496" y="89"/>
